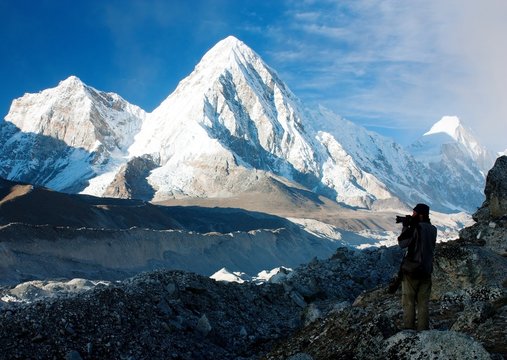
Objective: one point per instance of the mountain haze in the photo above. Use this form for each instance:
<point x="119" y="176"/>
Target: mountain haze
<point x="232" y="127"/>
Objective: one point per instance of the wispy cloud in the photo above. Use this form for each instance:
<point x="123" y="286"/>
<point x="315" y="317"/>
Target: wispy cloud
<point x="408" y="61"/>
<point x="327" y="31"/>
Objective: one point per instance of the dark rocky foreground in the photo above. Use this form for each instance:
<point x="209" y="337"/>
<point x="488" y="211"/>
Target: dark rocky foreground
<point x="328" y="309"/>
<point x="157" y="315"/>
<point x="180" y="315"/>
<point x="468" y="310"/>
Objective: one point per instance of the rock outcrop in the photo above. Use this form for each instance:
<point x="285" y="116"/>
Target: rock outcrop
<point x="491" y="217"/>
<point x="130" y="181"/>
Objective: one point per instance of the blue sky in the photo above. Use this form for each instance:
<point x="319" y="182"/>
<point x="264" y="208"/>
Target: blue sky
<point x="393" y="66"/>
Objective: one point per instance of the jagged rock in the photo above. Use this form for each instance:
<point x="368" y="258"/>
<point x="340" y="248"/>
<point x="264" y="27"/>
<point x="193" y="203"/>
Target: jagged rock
<point x="312" y="313"/>
<point x="300" y="356"/>
<point x="243" y="332"/>
<point x="73" y="355"/>
<point x="459" y="267"/>
<point x="491" y="227"/>
<point x="473" y="314"/>
<point x="351" y="334"/>
<point x="130" y="182"/>
<point x="203" y="326"/>
<point x="495" y="205"/>
<point x="345" y="275"/>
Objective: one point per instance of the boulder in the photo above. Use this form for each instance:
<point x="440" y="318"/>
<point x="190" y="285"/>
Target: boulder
<point x="490" y="229"/>
<point x="495" y="205"/>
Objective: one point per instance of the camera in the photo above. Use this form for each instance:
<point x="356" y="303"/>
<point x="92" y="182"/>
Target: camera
<point x="405" y="220"/>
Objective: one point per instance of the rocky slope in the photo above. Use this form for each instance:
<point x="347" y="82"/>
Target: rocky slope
<point x="468" y="307"/>
<point x="328" y="309"/>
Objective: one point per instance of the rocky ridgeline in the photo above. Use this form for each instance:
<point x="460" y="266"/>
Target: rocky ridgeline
<point x="336" y="308"/>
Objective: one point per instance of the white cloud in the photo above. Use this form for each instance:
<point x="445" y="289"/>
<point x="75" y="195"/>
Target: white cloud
<point x="410" y="61"/>
<point x="475" y="36"/>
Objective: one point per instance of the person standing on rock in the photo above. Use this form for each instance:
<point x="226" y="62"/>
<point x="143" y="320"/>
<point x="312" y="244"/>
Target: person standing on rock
<point x="418" y="237"/>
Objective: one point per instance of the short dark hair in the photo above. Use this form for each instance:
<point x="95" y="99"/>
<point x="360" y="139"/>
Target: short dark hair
<point x="422" y="209"/>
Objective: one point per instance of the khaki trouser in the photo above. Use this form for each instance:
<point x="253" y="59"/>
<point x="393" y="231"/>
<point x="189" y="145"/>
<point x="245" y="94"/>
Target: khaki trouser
<point x="415" y="293"/>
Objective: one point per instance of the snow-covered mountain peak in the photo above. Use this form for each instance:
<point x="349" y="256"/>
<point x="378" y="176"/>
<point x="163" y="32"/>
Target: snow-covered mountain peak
<point x="62" y="136"/>
<point x="71" y="81"/>
<point x="450" y="125"/>
<point x="449" y="141"/>
<point x="78" y="115"/>
<point x="227" y="58"/>
<point x="227" y="52"/>
<point x="231" y="126"/>
<point x="232" y="107"/>
<point x="228" y="44"/>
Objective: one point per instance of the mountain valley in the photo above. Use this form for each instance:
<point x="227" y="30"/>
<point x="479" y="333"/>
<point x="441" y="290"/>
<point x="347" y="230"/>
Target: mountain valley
<point x="334" y="308"/>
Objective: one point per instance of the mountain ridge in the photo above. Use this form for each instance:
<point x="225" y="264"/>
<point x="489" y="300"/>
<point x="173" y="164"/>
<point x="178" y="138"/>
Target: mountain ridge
<point x="228" y="125"/>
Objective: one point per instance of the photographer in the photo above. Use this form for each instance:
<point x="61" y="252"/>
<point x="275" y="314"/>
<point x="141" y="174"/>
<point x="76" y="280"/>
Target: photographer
<point x="418" y="237"/>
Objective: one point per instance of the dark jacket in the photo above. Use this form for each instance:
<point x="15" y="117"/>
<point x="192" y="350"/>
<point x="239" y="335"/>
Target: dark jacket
<point x="419" y="240"/>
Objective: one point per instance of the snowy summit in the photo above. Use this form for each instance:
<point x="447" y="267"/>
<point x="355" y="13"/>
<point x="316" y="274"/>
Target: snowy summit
<point x="448" y="125"/>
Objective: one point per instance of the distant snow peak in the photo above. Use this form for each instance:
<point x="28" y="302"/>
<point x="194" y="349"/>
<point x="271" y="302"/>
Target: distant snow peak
<point x="71" y="80"/>
<point x="451" y="126"/>
<point x="448" y="125"/>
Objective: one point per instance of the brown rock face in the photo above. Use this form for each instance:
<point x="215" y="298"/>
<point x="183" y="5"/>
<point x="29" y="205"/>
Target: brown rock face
<point x="491" y="227"/>
<point x="495" y="205"/>
<point x="131" y="182"/>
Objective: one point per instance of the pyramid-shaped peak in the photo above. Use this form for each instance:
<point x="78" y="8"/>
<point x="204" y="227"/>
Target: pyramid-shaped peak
<point x="71" y="81"/>
<point x="71" y="85"/>
<point x="230" y="43"/>
<point x="447" y="125"/>
<point x="227" y="51"/>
